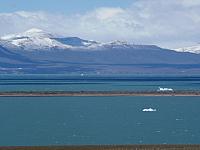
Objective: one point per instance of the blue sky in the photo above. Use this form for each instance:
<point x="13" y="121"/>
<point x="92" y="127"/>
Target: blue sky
<point x="61" y="6"/>
<point x="166" y="23"/>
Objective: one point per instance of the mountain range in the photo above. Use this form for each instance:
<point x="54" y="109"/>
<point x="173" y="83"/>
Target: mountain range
<point x="36" y="51"/>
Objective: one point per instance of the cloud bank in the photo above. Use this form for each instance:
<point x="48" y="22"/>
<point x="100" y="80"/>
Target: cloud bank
<point x="171" y="23"/>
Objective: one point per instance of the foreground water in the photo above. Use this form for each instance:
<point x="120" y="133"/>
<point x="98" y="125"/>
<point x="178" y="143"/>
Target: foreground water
<point x="99" y="120"/>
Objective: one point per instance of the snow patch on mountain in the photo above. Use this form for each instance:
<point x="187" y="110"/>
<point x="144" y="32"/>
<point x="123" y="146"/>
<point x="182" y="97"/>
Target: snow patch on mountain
<point x="192" y="49"/>
<point x="33" y="39"/>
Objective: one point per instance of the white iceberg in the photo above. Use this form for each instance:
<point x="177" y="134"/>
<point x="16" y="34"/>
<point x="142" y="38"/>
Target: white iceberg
<point x="149" y="110"/>
<point x="160" y="89"/>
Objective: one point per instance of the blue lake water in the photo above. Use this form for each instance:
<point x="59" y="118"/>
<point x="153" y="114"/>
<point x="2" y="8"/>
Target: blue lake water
<point x="99" y="120"/>
<point x="96" y="83"/>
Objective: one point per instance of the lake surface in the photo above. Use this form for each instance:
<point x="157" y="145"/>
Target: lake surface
<point x="96" y="83"/>
<point x="99" y="120"/>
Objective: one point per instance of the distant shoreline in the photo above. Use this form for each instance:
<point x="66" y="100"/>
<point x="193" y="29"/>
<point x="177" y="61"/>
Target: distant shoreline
<point x="97" y="93"/>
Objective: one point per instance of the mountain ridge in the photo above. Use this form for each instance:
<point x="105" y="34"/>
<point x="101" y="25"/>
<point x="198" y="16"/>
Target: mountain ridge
<point x="37" y="39"/>
<point x="36" y="51"/>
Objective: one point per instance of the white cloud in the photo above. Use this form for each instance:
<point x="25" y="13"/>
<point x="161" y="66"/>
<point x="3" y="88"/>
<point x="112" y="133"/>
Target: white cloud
<point x="171" y="23"/>
<point x="107" y="13"/>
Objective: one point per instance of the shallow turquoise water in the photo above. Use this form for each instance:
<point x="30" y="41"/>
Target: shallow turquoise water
<point x="99" y="120"/>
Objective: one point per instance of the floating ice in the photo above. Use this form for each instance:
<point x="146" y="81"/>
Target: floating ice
<point x="165" y="89"/>
<point x="149" y="110"/>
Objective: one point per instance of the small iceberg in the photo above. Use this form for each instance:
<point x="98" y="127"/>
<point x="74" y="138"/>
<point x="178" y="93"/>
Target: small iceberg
<point x="160" y="89"/>
<point x="149" y="110"/>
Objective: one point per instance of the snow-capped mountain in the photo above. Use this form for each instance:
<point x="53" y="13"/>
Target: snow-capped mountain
<point x="33" y="39"/>
<point x="36" y="39"/>
<point x="191" y="49"/>
<point x="36" y="51"/>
